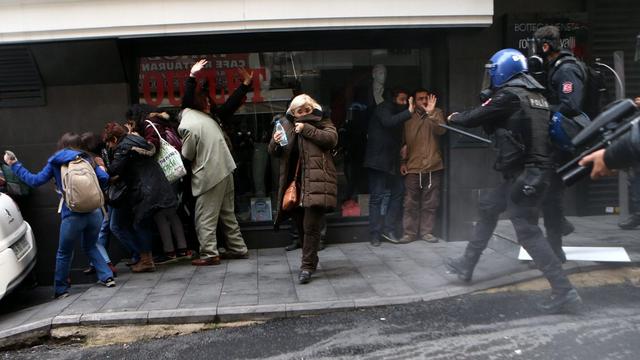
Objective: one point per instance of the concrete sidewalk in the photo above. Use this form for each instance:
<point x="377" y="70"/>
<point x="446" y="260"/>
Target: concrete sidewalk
<point x="350" y="276"/>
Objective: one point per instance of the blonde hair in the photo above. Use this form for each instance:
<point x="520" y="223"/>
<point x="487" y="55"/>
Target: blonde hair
<point x="302" y="100"/>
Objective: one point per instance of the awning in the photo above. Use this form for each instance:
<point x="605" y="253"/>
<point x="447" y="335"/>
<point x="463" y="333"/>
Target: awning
<point x="43" y="20"/>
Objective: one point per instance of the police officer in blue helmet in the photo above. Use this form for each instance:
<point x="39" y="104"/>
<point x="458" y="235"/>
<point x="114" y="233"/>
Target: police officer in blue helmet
<point x="516" y="114"/>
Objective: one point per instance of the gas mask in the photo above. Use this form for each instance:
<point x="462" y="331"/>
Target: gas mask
<point x="536" y="59"/>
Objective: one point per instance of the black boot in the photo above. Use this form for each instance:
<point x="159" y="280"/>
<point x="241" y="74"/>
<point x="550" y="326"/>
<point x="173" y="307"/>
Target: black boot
<point x="293" y="246"/>
<point x="630" y="223"/>
<point x="464" y="265"/>
<point x="559" y="302"/>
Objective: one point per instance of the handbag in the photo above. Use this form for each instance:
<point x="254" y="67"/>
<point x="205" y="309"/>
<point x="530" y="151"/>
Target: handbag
<point x="116" y="194"/>
<point x="169" y="159"/>
<point x="291" y="196"/>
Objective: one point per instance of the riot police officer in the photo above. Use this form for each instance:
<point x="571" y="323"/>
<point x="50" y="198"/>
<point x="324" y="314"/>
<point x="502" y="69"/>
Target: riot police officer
<point x="565" y="91"/>
<point x="517" y="115"/>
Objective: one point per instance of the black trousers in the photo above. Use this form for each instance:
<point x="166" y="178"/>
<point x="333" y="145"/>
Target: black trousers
<point x="525" y="222"/>
<point x="553" y="212"/>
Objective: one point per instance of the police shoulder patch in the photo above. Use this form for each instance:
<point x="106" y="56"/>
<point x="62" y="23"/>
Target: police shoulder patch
<point x="567" y="87"/>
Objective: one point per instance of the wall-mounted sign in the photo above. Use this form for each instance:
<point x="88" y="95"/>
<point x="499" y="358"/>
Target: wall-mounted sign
<point x="161" y="79"/>
<point x="574" y="30"/>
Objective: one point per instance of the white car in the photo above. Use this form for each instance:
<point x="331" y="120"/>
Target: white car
<point x="17" y="246"/>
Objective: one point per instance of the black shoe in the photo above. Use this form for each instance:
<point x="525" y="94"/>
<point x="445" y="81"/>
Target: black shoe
<point x="304" y="277"/>
<point x="61" y="295"/>
<point x="322" y="245"/>
<point x="567" y="227"/>
<point x="464" y="265"/>
<point x="375" y="241"/>
<point x="561" y="302"/>
<point x="630" y="223"/>
<point x="390" y="237"/>
<point x="293" y="246"/>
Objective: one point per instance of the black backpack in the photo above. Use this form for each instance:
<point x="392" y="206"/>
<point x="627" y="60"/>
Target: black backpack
<point x="594" y="86"/>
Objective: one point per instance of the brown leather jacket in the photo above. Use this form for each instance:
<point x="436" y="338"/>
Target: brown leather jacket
<point x="317" y="179"/>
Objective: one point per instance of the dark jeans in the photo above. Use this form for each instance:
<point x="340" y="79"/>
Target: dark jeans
<point x="525" y="222"/>
<point x="553" y="212"/>
<point x="380" y="181"/>
<point x="421" y="200"/>
<point x="137" y="238"/>
<point x="309" y="222"/>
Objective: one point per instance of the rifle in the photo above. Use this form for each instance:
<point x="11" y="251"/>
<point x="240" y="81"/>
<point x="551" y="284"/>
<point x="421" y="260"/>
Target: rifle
<point x="606" y="128"/>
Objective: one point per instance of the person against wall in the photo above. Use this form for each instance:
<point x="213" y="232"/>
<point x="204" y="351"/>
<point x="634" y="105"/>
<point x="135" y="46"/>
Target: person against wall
<point x="92" y="145"/>
<point x="422" y="168"/>
<point x="75" y="226"/>
<point x="154" y="126"/>
<point x="307" y="157"/>
<point x="212" y="166"/>
<point x="382" y="160"/>
<point x="147" y="189"/>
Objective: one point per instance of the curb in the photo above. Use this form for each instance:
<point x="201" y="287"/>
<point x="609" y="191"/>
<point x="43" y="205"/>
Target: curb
<point x="33" y="331"/>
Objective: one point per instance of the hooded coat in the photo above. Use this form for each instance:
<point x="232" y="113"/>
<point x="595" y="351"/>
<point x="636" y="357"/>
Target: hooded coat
<point x="318" y="180"/>
<point x="148" y="190"/>
<point x="52" y="170"/>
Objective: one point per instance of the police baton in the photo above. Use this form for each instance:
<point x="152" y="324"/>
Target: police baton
<point x="464" y="133"/>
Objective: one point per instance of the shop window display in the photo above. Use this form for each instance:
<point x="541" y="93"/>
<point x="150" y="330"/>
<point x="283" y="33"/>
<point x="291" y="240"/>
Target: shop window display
<point x="347" y="83"/>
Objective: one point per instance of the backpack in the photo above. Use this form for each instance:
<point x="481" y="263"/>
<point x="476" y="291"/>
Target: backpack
<point x="80" y="187"/>
<point x="594" y="86"/>
<point x="13" y="185"/>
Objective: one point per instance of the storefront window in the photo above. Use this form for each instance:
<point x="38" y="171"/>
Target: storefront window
<point x="340" y="80"/>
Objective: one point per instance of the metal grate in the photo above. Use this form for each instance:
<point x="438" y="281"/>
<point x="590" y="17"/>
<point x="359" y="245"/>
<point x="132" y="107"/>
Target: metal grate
<point x="20" y="81"/>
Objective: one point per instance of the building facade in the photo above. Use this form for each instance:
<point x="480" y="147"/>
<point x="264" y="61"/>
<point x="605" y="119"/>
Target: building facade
<point x="75" y="65"/>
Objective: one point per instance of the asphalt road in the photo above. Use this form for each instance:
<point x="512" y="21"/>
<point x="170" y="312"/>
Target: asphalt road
<point x="483" y="326"/>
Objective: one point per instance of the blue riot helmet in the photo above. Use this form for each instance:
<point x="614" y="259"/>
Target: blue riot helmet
<point x="503" y="66"/>
<point x="562" y="129"/>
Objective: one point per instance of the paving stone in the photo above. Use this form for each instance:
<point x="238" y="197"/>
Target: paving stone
<point x="115" y="318"/>
<point x="183" y="316"/>
<point x="343" y="275"/>
<point x="375" y="272"/>
<point x="257" y="312"/>
<point x="311" y="308"/>
<point x="319" y="289"/>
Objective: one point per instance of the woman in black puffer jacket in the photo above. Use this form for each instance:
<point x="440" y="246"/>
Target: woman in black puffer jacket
<point x="148" y="190"/>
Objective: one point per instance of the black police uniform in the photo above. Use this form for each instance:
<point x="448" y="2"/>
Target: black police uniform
<point x="517" y="115"/>
<point x="565" y="89"/>
<point x="625" y="152"/>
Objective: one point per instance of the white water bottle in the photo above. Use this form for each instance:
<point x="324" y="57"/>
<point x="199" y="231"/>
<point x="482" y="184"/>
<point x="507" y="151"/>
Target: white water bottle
<point x="280" y="129"/>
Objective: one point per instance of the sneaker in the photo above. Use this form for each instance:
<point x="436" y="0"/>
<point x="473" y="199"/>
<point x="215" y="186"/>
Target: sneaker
<point x="90" y="270"/>
<point x="108" y="283"/>
<point x="165" y="258"/>
<point x="184" y="254"/>
<point x="429" y="238"/>
<point x="61" y="295"/>
<point x="390" y="237"/>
